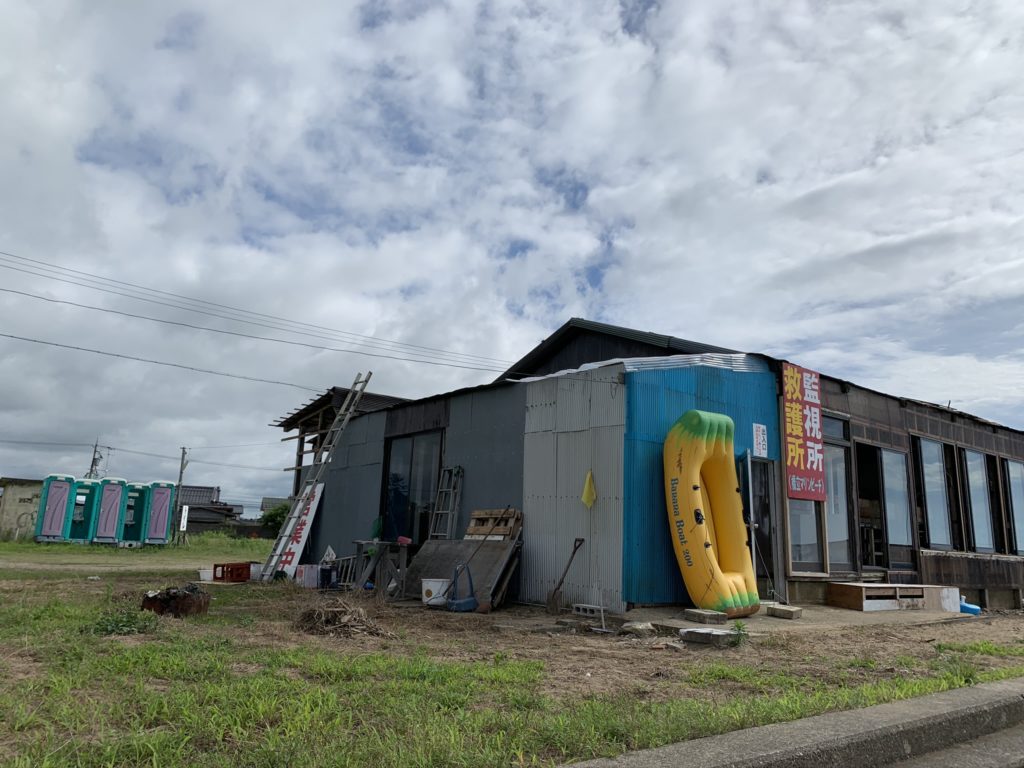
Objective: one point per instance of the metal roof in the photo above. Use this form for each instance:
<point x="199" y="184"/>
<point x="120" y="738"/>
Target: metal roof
<point x="334" y="396"/>
<point x="526" y="365"/>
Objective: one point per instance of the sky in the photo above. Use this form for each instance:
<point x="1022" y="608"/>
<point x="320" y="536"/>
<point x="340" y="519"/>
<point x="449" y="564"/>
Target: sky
<point x="839" y="184"/>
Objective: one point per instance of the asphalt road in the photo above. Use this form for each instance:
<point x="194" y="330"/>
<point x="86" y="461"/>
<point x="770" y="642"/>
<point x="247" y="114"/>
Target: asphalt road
<point x="1003" y="749"/>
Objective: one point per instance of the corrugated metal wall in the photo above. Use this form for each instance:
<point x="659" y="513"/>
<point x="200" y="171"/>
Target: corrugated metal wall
<point x="574" y="424"/>
<point x="485" y="437"/>
<point x="351" y="502"/>
<point x="655" y="399"/>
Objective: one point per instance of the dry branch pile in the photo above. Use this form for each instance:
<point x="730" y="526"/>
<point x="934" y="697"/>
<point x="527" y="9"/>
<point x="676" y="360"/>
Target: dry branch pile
<point x="339" y="619"/>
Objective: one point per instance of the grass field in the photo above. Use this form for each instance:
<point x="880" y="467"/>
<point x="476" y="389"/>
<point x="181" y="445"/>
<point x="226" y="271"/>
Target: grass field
<point x="88" y="680"/>
<point x="201" y="551"/>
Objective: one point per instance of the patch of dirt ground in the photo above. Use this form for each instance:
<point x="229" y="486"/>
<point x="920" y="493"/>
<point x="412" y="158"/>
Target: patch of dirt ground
<point x="584" y="663"/>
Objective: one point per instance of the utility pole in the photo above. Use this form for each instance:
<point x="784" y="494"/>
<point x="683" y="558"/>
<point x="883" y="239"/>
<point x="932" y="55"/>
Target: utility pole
<point x="94" y="465"/>
<point x="179" y="536"/>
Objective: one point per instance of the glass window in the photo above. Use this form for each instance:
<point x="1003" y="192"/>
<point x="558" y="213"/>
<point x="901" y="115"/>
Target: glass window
<point x="840" y="553"/>
<point x="981" y="512"/>
<point x="897" y="498"/>
<point x="936" y="503"/>
<point x="413" y="468"/>
<point x="834" y="428"/>
<point x="1015" y="474"/>
<point x="805" y="536"/>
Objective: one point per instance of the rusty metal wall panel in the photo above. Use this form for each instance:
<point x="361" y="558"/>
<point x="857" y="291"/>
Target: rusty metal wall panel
<point x="541" y="397"/>
<point x="968" y="570"/>
<point x="572" y="409"/>
<point x="422" y="416"/>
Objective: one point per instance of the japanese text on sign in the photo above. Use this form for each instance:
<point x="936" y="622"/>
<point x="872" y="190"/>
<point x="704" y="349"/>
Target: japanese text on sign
<point x="308" y="503"/>
<point x="801" y="429"/>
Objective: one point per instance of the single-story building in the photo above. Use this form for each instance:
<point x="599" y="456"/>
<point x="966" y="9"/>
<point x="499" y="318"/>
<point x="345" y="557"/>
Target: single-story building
<point x="842" y="482"/>
<point x="19" y="502"/>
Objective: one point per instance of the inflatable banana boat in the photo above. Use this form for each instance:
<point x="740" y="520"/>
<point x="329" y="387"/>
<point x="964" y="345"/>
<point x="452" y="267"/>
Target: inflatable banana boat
<point x="705" y="514"/>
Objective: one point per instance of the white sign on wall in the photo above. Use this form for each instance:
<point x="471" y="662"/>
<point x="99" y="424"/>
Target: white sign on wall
<point x="183" y="525"/>
<point x="760" y="441"/>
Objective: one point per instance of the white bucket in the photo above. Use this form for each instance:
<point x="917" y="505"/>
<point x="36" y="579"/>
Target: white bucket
<point x="435" y="591"/>
<point x="206" y="574"/>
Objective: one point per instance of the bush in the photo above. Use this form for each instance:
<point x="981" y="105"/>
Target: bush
<point x="274" y="517"/>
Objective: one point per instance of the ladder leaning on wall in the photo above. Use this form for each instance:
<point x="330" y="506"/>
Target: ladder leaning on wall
<point x="292" y="538"/>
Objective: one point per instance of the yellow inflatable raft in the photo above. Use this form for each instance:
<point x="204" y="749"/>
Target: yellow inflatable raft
<point x="705" y="513"/>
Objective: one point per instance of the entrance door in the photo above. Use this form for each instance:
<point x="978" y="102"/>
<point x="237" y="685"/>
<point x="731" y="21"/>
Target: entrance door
<point x="758" y="487"/>
<point x="883" y="509"/>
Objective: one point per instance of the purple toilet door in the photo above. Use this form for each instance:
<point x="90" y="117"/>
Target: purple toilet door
<point x="56" y="509"/>
<point x="110" y="505"/>
<point x="159" y="509"/>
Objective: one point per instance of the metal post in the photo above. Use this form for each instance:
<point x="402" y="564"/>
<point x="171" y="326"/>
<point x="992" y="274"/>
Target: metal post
<point x="94" y="464"/>
<point x="179" y="536"/>
<point x="752" y="524"/>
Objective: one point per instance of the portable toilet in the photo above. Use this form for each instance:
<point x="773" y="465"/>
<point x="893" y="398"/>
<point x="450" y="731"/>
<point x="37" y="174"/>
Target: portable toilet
<point x="159" y="512"/>
<point x="133" y="522"/>
<point x="85" y="511"/>
<point x="113" y="500"/>
<point x="55" y="505"/>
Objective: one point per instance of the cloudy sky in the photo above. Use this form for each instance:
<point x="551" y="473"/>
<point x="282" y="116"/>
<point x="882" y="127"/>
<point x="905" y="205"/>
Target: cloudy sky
<point x="840" y="184"/>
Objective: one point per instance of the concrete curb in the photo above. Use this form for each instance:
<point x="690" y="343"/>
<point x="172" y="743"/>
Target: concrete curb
<point x="858" y="738"/>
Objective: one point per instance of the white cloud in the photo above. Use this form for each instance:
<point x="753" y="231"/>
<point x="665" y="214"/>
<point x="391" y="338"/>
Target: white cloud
<point x="838" y="184"/>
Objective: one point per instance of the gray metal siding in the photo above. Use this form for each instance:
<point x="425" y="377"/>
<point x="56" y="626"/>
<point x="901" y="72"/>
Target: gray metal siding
<point x="575" y="424"/>
<point x="485" y="437"/>
<point x="351" y="502"/>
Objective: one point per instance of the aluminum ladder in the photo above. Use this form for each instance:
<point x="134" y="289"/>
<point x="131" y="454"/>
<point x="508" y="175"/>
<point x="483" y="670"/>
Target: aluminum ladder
<point x="446" y="505"/>
<point x="316" y="471"/>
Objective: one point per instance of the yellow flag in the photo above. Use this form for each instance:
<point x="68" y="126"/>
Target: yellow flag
<point x="589" y="492"/>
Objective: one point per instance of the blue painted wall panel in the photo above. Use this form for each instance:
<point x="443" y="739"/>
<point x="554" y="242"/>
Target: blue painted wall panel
<point x="654" y="400"/>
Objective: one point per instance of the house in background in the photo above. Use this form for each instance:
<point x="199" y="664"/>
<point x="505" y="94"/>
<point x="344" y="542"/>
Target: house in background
<point x="206" y="512"/>
<point x="844" y="483"/>
<point x="268" y="503"/>
<point x="19" y="503"/>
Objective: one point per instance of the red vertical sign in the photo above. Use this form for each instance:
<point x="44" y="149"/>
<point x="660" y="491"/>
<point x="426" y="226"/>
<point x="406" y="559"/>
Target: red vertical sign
<point x="801" y="413"/>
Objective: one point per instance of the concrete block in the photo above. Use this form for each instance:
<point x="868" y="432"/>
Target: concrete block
<point x="785" y="611"/>
<point x="638" y="629"/>
<point x="719" y="638"/>
<point x="704" y="616"/>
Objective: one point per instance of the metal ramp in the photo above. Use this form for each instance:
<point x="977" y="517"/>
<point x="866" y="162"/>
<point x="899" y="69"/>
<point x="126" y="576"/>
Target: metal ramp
<point x="292" y="538"/>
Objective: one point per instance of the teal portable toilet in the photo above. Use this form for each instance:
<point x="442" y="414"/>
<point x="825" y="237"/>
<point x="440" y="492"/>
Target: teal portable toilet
<point x="159" y="513"/>
<point x="55" y="505"/>
<point x="113" y="500"/>
<point x="133" y="523"/>
<point x="84" y="513"/>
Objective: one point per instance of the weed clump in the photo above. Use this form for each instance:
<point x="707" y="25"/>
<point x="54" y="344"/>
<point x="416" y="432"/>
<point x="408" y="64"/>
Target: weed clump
<point x="122" y="620"/>
<point x="739" y="633"/>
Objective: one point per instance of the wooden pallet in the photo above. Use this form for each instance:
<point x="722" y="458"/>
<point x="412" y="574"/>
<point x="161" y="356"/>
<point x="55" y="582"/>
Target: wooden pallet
<point x="494" y="524"/>
<point x="861" y="596"/>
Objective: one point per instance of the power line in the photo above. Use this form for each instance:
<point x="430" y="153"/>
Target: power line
<point x="236" y="445"/>
<point x="160" y="362"/>
<point x="45" y="442"/>
<point x="243" y="335"/>
<point x="366" y="339"/>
